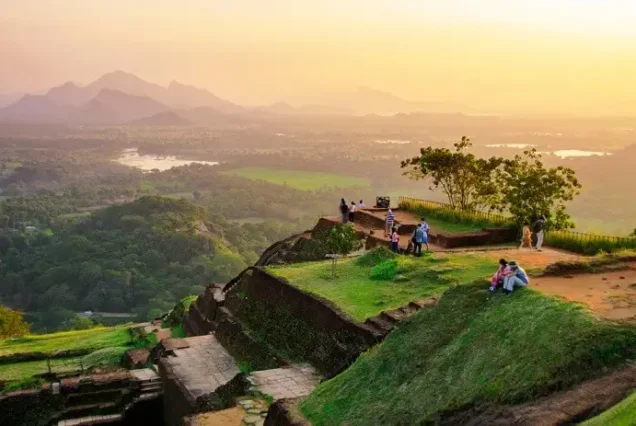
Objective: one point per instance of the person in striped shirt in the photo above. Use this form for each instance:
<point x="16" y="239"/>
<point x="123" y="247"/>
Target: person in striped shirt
<point x="390" y="218"/>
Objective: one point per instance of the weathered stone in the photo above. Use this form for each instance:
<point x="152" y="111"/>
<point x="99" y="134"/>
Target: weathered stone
<point x="136" y="358"/>
<point x="251" y="420"/>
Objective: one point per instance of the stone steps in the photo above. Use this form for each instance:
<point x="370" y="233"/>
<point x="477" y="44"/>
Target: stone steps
<point x="386" y="320"/>
<point x="91" y="420"/>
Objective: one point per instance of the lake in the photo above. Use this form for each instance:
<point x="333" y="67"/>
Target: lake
<point x="132" y="158"/>
<point x="568" y="153"/>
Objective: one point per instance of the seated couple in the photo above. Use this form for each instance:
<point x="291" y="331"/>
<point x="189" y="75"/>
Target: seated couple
<point x="509" y="275"/>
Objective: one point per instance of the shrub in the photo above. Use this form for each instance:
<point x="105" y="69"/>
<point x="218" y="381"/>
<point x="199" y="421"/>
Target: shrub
<point x="375" y="256"/>
<point x="386" y="270"/>
<point x="175" y="316"/>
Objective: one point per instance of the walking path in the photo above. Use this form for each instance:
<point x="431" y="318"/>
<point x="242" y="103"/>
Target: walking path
<point x="611" y="295"/>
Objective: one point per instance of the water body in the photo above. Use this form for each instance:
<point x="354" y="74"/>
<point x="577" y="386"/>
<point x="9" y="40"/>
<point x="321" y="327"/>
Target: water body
<point x="510" y="145"/>
<point x="131" y="158"/>
<point x="392" y="142"/>
<point x="569" y="153"/>
<point x="562" y="153"/>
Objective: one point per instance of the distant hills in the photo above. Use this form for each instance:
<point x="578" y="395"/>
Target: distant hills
<point x="123" y="98"/>
<point x="162" y="119"/>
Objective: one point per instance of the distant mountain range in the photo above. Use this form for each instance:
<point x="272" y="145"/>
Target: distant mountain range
<point x="123" y="98"/>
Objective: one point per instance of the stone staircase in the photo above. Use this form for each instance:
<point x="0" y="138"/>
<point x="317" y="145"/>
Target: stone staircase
<point x="386" y="320"/>
<point x="108" y="406"/>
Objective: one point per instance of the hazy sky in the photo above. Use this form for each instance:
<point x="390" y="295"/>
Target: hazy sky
<point x="540" y="54"/>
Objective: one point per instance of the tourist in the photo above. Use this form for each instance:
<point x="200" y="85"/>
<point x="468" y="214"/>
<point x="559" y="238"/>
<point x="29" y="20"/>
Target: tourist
<point x="344" y="210"/>
<point x="426" y="230"/>
<point x="390" y="218"/>
<point x="498" y="277"/>
<point x="515" y="277"/>
<point x="361" y="205"/>
<point x="526" y="236"/>
<point x="418" y="238"/>
<point x="424" y="224"/>
<point x="395" y="240"/>
<point x="352" y="211"/>
<point x="538" y="228"/>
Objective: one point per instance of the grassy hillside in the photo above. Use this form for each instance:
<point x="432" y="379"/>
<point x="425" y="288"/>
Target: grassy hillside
<point x="368" y="285"/>
<point x="623" y="414"/>
<point x="307" y="181"/>
<point x="94" y="338"/>
<point x="470" y="350"/>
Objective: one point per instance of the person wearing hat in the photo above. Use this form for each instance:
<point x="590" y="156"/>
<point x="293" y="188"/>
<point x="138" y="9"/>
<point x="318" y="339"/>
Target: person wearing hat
<point x="516" y="277"/>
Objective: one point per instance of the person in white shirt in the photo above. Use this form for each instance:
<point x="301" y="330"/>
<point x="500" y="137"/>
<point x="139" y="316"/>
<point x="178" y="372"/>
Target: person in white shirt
<point x="352" y="211"/>
<point x="361" y="205"/>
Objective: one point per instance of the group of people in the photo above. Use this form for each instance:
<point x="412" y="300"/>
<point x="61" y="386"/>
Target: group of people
<point x="419" y="236"/>
<point x="509" y="275"/>
<point x="537" y="228"/>
<point x="348" y="211"/>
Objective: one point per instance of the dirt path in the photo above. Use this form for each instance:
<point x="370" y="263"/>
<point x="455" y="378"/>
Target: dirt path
<point x="612" y="295"/>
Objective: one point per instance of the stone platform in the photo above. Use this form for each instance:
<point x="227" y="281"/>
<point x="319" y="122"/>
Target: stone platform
<point x="288" y="382"/>
<point x="199" y="375"/>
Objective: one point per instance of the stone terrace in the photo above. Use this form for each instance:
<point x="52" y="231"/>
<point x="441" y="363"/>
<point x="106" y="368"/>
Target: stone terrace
<point x="288" y="382"/>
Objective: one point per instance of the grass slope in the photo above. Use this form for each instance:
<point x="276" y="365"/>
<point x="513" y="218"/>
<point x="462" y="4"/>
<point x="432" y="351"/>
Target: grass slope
<point x="307" y="181"/>
<point x="362" y="291"/>
<point x="94" y="338"/>
<point x="469" y="350"/>
<point x="622" y="414"/>
<point x="21" y="370"/>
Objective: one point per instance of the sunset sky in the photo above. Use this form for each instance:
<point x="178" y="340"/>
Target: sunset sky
<point x="540" y="55"/>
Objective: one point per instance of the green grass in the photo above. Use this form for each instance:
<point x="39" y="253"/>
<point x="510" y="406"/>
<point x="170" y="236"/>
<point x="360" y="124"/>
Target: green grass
<point x="622" y="414"/>
<point x="451" y="226"/>
<point x="21" y="370"/>
<point x="94" y="338"/>
<point x="361" y="296"/>
<point x="468" y="351"/>
<point x="104" y="357"/>
<point x="303" y="180"/>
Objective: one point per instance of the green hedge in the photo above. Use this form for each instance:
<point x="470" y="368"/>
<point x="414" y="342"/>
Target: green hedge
<point x="588" y="243"/>
<point x="448" y="214"/>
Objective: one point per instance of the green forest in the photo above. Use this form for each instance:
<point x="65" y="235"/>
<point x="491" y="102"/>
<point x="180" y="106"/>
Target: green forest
<point x="123" y="241"/>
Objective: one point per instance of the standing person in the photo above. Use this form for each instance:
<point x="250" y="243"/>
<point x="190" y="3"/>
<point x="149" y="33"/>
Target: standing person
<point x="426" y="230"/>
<point x="418" y="239"/>
<point x="395" y="240"/>
<point x="390" y="218"/>
<point x="424" y="224"/>
<point x="361" y="205"/>
<point x="538" y="228"/>
<point x="526" y="236"/>
<point x="352" y="211"/>
<point x="344" y="210"/>
<point x="515" y="277"/>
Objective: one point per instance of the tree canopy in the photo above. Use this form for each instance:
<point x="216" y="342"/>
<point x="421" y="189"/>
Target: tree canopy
<point x="522" y="186"/>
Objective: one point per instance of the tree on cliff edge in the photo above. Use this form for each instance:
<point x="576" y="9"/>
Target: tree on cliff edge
<point x="12" y="324"/>
<point x="341" y="241"/>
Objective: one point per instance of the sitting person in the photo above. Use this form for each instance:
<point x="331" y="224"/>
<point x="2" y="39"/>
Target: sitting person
<point x="526" y="236"/>
<point x="498" y="277"/>
<point x="516" y="277"/>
